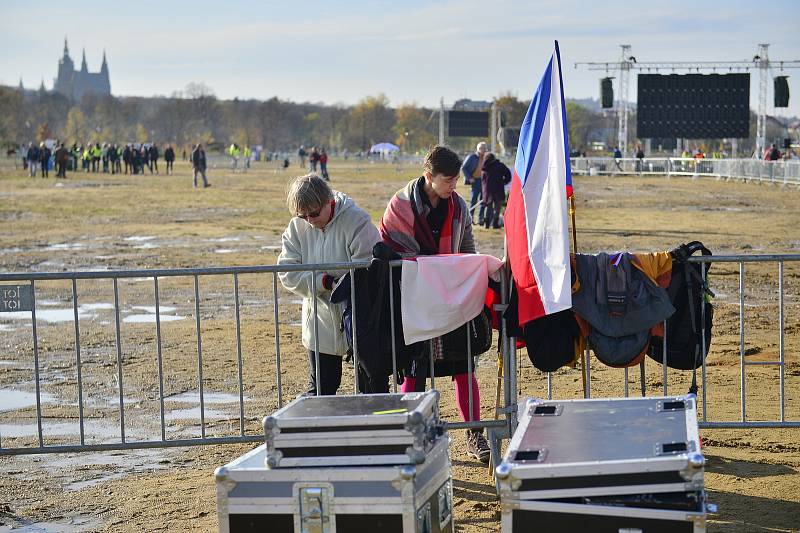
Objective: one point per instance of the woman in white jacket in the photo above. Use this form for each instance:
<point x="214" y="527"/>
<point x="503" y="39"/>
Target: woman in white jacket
<point x="327" y="227"/>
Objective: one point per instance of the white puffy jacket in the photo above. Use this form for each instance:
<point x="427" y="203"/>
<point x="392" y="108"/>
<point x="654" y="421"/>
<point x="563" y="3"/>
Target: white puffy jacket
<point x="349" y="236"/>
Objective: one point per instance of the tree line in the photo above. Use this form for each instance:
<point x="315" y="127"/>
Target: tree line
<point x="197" y="115"/>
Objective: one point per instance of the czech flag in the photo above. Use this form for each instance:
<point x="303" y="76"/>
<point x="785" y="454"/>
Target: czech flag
<point x="536" y="221"/>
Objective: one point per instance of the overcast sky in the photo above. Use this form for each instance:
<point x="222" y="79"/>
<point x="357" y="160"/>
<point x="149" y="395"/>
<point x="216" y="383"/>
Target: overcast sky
<point x="410" y="50"/>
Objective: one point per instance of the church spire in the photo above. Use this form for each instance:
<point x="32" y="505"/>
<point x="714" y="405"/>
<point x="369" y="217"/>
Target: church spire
<point x="66" y="48"/>
<point x="41" y="87"/>
<point x="84" y="68"/>
<point x="104" y="66"/>
<point x="21" y="87"/>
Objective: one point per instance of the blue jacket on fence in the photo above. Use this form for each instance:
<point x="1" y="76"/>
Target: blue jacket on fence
<point x="620" y="303"/>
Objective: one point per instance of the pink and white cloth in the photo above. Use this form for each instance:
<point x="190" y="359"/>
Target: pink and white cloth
<point x="440" y="293"/>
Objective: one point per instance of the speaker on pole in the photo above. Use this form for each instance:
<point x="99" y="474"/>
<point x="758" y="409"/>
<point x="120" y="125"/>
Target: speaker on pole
<point x="781" y="85"/>
<point x="606" y="93"/>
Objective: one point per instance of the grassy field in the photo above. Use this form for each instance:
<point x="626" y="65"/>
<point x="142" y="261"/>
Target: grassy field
<point x="99" y="222"/>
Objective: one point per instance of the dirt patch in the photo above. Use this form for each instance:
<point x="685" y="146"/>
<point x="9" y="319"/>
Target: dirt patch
<point x="114" y="222"/>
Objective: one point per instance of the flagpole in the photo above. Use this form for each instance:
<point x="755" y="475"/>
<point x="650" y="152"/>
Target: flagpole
<point x="584" y="360"/>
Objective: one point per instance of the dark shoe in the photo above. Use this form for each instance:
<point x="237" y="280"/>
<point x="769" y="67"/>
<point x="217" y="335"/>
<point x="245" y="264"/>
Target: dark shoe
<point x="477" y="446"/>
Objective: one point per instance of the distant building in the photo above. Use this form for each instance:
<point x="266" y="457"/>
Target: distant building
<point x="466" y="104"/>
<point x="75" y="83"/>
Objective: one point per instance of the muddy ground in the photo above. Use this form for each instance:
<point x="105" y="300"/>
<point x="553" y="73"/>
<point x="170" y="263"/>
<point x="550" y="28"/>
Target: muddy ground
<point x="99" y="222"/>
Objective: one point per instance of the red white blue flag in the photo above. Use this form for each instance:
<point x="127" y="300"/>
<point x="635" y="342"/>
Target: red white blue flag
<point x="536" y="221"/>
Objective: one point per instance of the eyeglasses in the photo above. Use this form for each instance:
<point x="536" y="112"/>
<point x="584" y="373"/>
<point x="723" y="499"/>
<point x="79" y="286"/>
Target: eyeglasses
<point x="306" y="216"/>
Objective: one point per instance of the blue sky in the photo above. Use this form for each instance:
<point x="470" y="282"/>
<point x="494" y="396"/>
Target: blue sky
<point x="412" y="51"/>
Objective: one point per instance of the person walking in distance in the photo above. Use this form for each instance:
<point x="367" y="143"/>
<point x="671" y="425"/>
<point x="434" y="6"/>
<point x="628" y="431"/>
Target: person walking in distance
<point x="62" y="158"/>
<point x="169" y="157"/>
<point x="44" y="160"/>
<point x="33" y="159"/>
<point x="323" y="165"/>
<point x="496" y="175"/>
<point x="198" y="158"/>
<point x="154" y="155"/>
<point x="472" y="168"/>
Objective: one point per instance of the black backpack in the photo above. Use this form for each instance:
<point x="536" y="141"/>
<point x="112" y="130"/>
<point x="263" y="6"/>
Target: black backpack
<point x="691" y="323"/>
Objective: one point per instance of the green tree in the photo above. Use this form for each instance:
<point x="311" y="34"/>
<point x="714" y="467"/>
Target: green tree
<point x="76" y="130"/>
<point x="580" y="123"/>
<point x="413" y="128"/>
<point x="371" y="121"/>
<point x="512" y="109"/>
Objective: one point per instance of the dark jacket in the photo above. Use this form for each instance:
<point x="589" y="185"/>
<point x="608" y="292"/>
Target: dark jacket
<point x="44" y="154"/>
<point x="494" y="178"/>
<point x="153" y="153"/>
<point x="62" y="155"/>
<point x="620" y="304"/>
<point x="199" y="159"/>
<point x="169" y="154"/>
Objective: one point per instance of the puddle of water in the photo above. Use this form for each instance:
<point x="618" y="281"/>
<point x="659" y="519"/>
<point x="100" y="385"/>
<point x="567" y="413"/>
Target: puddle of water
<point x="225" y="239"/>
<point x="150" y="319"/>
<point x="194" y="414"/>
<point x="80" y="485"/>
<point x="61" y="429"/>
<point x="224" y="251"/>
<point x="72" y="525"/>
<point x="95" y="307"/>
<point x="11" y="400"/>
<point x="146" y="246"/>
<point x="208" y="397"/>
<point x="296" y="301"/>
<point x="140" y="238"/>
<point x="6" y="327"/>
<point x="152" y="309"/>
<point x="65" y="246"/>
<point x="49" y="303"/>
<point x="271" y="247"/>
<point x="51" y="316"/>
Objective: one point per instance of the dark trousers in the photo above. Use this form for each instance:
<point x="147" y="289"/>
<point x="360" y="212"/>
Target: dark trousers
<point x="330" y="369"/>
<point x="492" y="214"/>
<point x="62" y="170"/>
<point x="476" y="197"/>
<point x="169" y="167"/>
<point x="45" y="169"/>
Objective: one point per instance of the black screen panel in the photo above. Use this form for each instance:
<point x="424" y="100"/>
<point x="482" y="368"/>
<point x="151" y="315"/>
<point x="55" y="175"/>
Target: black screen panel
<point x="693" y="106"/>
<point x="468" y="124"/>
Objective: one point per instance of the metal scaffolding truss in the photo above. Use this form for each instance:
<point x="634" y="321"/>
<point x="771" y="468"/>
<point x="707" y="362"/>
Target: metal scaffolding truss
<point x="628" y="62"/>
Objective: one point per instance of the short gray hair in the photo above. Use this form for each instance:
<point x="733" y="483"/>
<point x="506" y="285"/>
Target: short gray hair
<point x="481" y="145"/>
<point x="307" y="193"/>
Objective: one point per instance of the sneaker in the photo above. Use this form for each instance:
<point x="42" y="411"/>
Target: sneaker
<point x="477" y="446"/>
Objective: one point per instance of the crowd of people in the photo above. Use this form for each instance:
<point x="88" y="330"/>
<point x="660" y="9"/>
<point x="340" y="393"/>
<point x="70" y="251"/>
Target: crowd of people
<point x="95" y="157"/>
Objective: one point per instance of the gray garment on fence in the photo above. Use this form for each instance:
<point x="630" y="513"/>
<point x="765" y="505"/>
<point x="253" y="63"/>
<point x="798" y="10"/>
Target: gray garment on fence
<point x="620" y="303"/>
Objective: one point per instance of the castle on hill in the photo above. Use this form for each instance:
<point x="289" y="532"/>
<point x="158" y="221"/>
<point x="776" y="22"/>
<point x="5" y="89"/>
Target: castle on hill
<point x="75" y="83"/>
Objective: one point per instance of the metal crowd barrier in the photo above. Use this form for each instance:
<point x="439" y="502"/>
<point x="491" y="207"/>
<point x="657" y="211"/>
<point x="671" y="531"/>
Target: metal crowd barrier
<point x="743" y="421"/>
<point x="25" y="295"/>
<point x="776" y="172"/>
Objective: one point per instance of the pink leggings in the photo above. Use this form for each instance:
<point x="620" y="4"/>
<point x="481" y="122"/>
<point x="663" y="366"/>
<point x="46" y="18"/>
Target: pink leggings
<point x="462" y="395"/>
